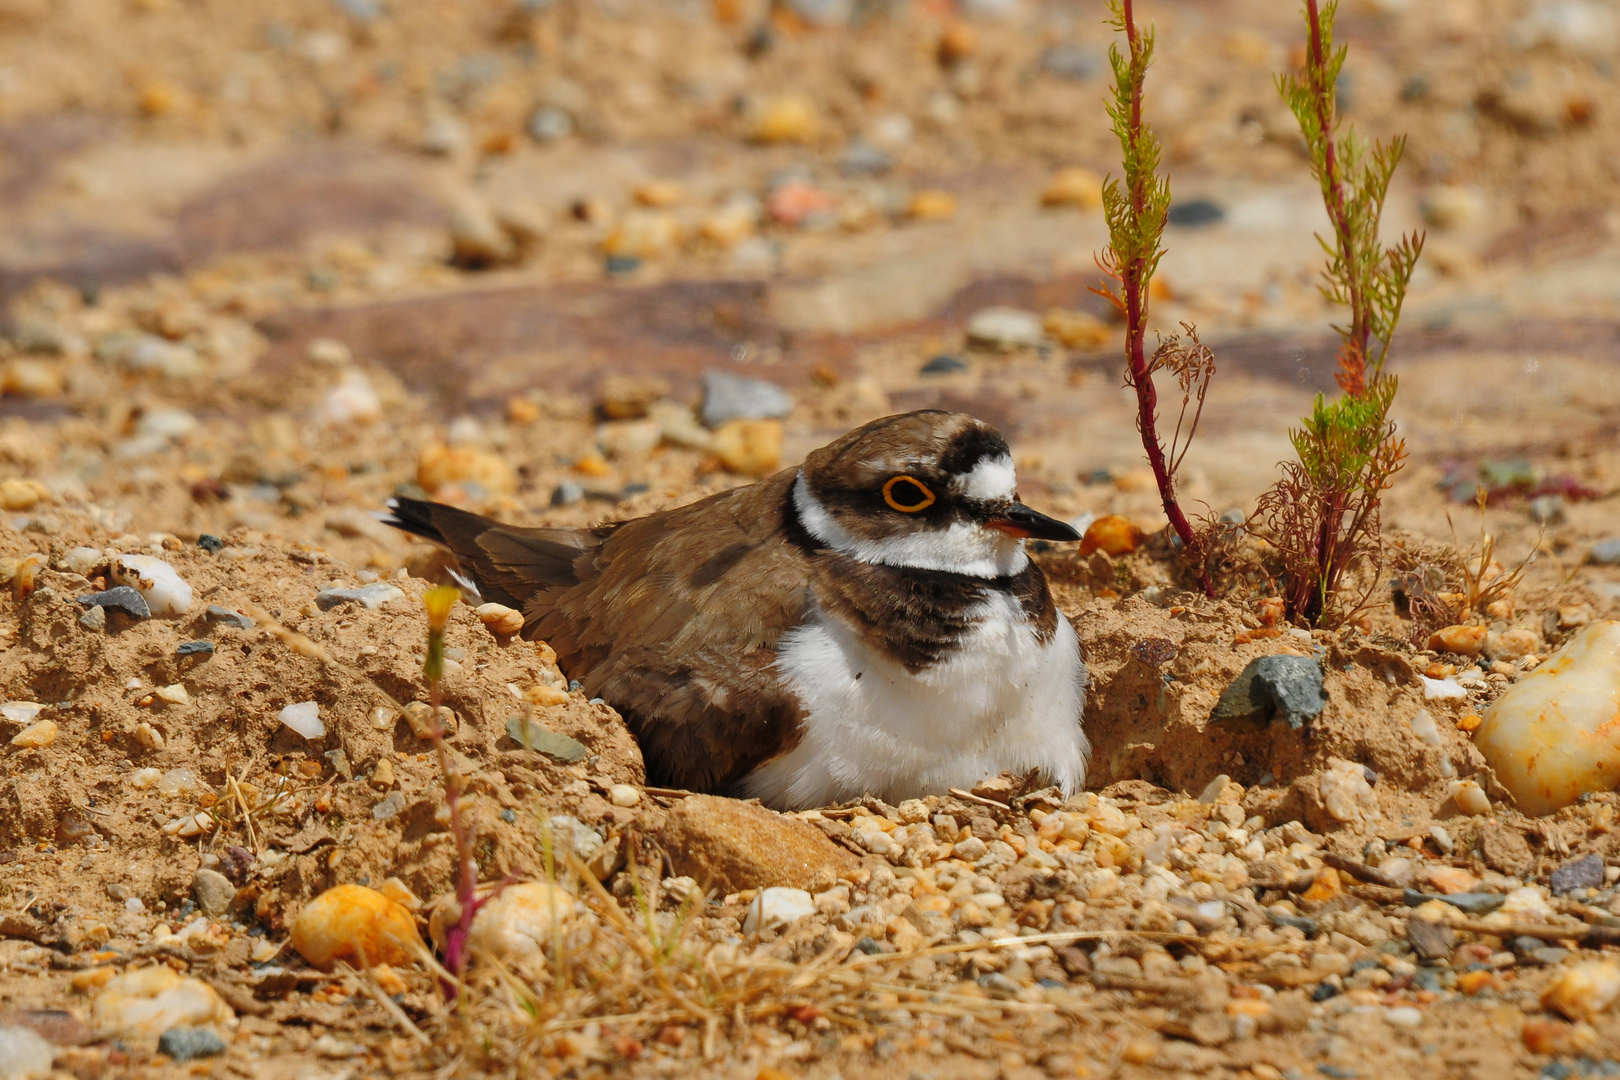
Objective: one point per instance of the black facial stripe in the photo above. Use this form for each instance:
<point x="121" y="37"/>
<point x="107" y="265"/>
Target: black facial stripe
<point x="970" y="447"/>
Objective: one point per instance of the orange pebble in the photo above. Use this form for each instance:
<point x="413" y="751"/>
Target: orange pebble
<point x="1112" y="534"/>
<point x="350" y="920"/>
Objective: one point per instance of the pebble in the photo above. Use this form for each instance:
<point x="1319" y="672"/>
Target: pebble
<point x="1552" y="736"/>
<point x="36" y="736"/>
<point x="1196" y="213"/>
<point x="1281" y="685"/>
<point x="146" y="1002"/>
<point x="94" y="619"/>
<point x="516" y="926"/>
<point x="21" y="712"/>
<point x="1404" y="1016"/>
<point x="226" y="617"/>
<point x="371" y="597"/>
<point x="1077" y="329"/>
<point x="555" y="745"/>
<point x="798" y="203"/>
<point x="1584" y="990"/>
<point x="23" y="1052"/>
<point x="1004" y="329"/>
<point x="501" y="620"/>
<point x="1511" y="645"/>
<point x="775" y="907"/>
<point x="1453" y="207"/>
<point x="932" y="206"/>
<point x="1547" y="509"/>
<point x="82" y="560"/>
<point x="350" y="920"/>
<point x="164" y="591"/>
<point x="441" y="466"/>
<point x="1071" y="62"/>
<point x="1469" y="797"/>
<point x="1461" y="640"/>
<point x="733" y="846"/>
<point x="1346" y="794"/>
<point x="186" y="1043"/>
<point x="211" y="544"/>
<point x="944" y="364"/>
<point x="1605" y="552"/>
<point x="732" y="397"/>
<point x="749" y="447"/>
<point x="1583" y="873"/>
<point x="623" y="795"/>
<point x="304" y="717"/>
<point x="1113" y="534"/>
<point x="1074" y="186"/>
<point x="389" y="807"/>
<point x="548" y="124"/>
<point x="194" y="648"/>
<point x="119" y="598"/>
<point x="352" y="402"/>
<point x="213" y="890"/>
<point x="1447" y="689"/>
<point x="861" y="158"/>
<point x="791" y="118"/>
<point x="643" y="235"/>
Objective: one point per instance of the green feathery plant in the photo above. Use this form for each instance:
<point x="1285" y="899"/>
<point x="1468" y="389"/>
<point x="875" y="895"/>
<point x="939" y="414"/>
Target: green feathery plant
<point x="1137" y="209"/>
<point x="1323" y="515"/>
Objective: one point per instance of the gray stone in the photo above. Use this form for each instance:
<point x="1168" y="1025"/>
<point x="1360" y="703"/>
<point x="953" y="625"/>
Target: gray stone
<point x="1471" y="903"/>
<point x="1005" y="329"/>
<point x="213" y="890"/>
<point x="388" y="807"/>
<point x="184" y="1044"/>
<point x="944" y="364"/>
<point x="1195" y="213"/>
<point x="567" y="493"/>
<point x="1583" y="873"/>
<point x="226" y="617"/>
<point x="1289" y="686"/>
<point x="1547" y="509"/>
<point x="120" y="598"/>
<point x="823" y="12"/>
<point x="193" y="648"/>
<point x="94" y="619"/>
<point x="541" y="740"/>
<point x="371" y="597"/>
<point x="864" y="159"/>
<point x="1071" y="62"/>
<point x="731" y="397"/>
<point x="549" y="123"/>
<point x="1606" y="552"/>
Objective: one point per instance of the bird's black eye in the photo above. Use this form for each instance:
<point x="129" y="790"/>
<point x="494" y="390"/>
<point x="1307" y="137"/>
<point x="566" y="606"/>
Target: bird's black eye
<point x="907" y="494"/>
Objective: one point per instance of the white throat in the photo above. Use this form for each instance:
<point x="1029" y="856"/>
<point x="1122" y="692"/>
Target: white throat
<point x="961" y="548"/>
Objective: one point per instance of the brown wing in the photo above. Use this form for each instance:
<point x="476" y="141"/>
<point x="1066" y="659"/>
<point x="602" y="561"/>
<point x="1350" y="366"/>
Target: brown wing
<point x="675" y="623"/>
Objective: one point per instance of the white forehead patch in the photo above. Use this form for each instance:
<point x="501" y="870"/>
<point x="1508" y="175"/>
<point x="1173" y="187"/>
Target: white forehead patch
<point x="991" y="478"/>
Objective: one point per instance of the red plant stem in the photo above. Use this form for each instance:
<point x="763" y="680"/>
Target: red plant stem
<point x="1355" y="362"/>
<point x="1136" y="304"/>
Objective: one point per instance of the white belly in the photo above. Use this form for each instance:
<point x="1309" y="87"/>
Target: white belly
<point x="1004" y="701"/>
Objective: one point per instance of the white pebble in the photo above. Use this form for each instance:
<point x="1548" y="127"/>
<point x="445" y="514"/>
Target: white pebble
<point x="1442" y="689"/>
<point x="21" y="712"/>
<point x="777" y="906"/>
<point x="141" y="779"/>
<point x="164" y="591"/>
<point x="351" y="401"/>
<point x="1424" y="727"/>
<point x="623" y="795"/>
<point x="82" y="560"/>
<point x="173" y="694"/>
<point x="134" y="905"/>
<point x="1403" y="1016"/>
<point x="304" y="718"/>
<point x="1469" y="797"/>
<point x="23" y="1052"/>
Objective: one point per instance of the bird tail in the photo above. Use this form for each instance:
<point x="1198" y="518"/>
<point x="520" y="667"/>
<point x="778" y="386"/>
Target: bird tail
<point x="505" y="563"/>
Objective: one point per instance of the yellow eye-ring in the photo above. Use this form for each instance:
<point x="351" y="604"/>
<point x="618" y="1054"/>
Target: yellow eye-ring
<point x="907" y="494"/>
